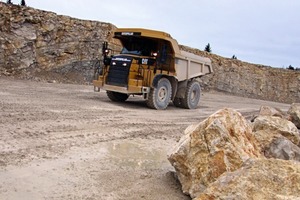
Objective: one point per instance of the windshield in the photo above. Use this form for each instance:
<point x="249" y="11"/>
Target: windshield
<point x="134" y="52"/>
<point x="140" y="46"/>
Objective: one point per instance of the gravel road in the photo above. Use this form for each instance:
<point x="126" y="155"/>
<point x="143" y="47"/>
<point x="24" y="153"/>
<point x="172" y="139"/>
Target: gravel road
<point x="64" y="141"/>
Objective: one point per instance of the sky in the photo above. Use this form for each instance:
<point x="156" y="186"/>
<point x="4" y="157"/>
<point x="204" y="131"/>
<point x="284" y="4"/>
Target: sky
<point x="263" y="32"/>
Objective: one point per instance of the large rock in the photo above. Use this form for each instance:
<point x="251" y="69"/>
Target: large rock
<point x="294" y="112"/>
<point x="270" y="111"/>
<point x="219" y="144"/>
<point x="261" y="179"/>
<point x="282" y="148"/>
<point x="267" y="128"/>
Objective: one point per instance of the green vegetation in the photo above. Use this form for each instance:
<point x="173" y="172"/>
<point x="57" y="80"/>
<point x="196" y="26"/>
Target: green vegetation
<point x="23" y="3"/>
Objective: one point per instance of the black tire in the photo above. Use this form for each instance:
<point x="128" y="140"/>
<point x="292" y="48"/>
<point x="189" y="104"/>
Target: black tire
<point x="116" y="96"/>
<point x="178" y="102"/>
<point x="159" y="97"/>
<point x="192" y="95"/>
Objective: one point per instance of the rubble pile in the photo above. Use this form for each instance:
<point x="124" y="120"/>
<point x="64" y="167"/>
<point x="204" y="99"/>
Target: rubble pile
<point x="228" y="157"/>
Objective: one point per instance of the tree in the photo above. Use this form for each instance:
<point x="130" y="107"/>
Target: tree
<point x="8" y="2"/>
<point x="207" y="48"/>
<point x="234" y="57"/>
<point x="23" y="3"/>
<point x="291" y="67"/>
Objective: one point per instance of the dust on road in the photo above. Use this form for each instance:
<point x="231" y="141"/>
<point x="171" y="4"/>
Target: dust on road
<point x="63" y="141"/>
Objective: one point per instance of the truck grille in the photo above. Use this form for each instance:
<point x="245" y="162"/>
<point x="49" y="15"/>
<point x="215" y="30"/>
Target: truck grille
<point x="119" y="70"/>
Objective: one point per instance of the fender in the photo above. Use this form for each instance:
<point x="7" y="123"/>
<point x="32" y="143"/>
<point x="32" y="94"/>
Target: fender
<point x="155" y="80"/>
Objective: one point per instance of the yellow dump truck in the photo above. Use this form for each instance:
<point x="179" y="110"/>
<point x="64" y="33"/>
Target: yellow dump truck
<point x="151" y="65"/>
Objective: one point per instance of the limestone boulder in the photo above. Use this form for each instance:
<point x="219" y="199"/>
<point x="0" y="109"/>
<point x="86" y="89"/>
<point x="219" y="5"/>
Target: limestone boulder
<point x="264" y="139"/>
<point x="294" y="113"/>
<point x="282" y="148"/>
<point x="265" y="179"/>
<point x="266" y="128"/>
<point x="221" y="143"/>
<point x="270" y="111"/>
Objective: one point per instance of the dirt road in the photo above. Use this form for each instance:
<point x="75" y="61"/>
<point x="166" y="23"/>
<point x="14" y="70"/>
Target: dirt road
<point x="62" y="141"/>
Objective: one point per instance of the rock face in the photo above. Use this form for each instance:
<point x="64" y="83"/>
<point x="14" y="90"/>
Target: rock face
<point x="250" y="80"/>
<point x="36" y="43"/>
<point x="294" y="112"/>
<point x="219" y="144"/>
<point x="42" y="45"/>
<point x="263" y="179"/>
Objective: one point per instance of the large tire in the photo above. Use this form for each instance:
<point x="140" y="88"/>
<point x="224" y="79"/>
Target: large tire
<point x="159" y="97"/>
<point x="192" y="95"/>
<point x="116" y="96"/>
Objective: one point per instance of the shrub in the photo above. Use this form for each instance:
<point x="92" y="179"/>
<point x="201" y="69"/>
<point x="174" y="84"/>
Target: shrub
<point x="23" y="3"/>
<point x="207" y="48"/>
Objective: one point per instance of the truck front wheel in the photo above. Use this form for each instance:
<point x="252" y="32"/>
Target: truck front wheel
<point x="160" y="96"/>
<point x="192" y="95"/>
<point x="116" y="96"/>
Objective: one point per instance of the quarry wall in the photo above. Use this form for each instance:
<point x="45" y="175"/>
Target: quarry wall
<point x="251" y="80"/>
<point x="42" y="45"/>
<point x="36" y="43"/>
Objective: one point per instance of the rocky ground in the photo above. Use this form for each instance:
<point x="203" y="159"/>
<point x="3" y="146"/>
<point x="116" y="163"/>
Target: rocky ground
<point x="64" y="141"/>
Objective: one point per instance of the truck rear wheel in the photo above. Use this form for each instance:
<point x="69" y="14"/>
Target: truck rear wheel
<point x="160" y="96"/>
<point x="116" y="96"/>
<point x="192" y="95"/>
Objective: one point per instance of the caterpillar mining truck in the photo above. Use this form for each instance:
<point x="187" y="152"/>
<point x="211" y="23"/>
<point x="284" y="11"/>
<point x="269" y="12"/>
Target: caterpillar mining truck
<point x="151" y="65"/>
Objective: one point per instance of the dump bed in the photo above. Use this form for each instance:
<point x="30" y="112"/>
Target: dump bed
<point x="189" y="65"/>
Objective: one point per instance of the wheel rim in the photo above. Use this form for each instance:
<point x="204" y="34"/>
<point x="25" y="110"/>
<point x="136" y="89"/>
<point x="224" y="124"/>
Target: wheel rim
<point x="162" y="94"/>
<point x="193" y="95"/>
